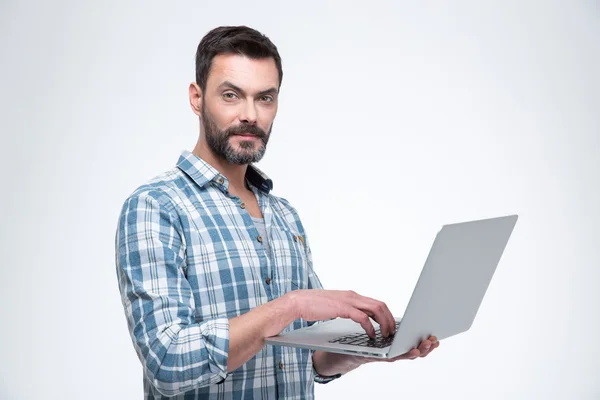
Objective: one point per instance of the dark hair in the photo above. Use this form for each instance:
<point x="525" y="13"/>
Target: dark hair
<point x="233" y="40"/>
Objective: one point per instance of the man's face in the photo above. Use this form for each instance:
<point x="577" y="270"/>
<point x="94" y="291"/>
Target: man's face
<point x="239" y="106"/>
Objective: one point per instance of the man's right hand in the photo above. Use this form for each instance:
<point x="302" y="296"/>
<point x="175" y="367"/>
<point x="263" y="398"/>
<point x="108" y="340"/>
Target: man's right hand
<point x="319" y="304"/>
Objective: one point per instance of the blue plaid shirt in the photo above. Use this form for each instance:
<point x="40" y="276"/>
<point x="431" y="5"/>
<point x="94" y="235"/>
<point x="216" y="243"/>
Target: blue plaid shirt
<point x="189" y="258"/>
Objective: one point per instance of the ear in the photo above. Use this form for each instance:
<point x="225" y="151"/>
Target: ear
<point x="195" y="98"/>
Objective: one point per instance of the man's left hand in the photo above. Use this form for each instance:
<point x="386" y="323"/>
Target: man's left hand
<point x="329" y="364"/>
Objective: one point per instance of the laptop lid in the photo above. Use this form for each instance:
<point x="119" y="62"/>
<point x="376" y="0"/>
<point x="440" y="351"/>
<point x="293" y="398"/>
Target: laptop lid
<point x="456" y="275"/>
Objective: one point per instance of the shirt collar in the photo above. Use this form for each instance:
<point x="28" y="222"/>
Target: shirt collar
<point x="202" y="173"/>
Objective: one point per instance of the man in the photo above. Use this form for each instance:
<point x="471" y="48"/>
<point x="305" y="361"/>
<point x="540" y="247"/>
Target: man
<point x="210" y="263"/>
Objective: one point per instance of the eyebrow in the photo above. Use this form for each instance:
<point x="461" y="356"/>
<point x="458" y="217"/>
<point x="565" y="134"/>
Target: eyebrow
<point x="230" y="85"/>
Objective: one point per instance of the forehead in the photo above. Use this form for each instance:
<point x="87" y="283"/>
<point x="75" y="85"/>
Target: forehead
<point x="252" y="75"/>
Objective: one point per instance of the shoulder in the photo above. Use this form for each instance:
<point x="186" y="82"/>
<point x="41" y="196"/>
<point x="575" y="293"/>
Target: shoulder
<point x="160" y="191"/>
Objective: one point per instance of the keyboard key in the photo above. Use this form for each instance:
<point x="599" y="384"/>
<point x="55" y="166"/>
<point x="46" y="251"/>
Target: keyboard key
<point x="362" y="339"/>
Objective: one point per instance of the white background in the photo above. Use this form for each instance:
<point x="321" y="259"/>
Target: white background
<point x="395" y="118"/>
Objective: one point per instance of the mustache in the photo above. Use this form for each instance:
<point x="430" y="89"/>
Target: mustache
<point x="246" y="128"/>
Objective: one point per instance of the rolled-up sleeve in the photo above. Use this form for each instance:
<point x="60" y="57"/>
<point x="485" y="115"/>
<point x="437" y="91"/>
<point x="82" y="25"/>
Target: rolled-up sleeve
<point x="177" y="352"/>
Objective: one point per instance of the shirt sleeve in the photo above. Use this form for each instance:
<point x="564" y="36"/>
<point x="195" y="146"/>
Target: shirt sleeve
<point x="313" y="280"/>
<point x="177" y="352"/>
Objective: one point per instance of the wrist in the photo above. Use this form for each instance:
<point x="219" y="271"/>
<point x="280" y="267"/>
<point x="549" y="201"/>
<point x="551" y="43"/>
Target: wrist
<point x="351" y="362"/>
<point x="330" y="364"/>
<point x="276" y="315"/>
<point x="291" y="305"/>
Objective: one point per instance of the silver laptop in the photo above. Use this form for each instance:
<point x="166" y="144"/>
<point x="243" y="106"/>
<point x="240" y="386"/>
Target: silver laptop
<point x="456" y="275"/>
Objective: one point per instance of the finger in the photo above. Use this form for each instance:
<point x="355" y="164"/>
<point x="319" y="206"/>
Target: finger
<point x="361" y="318"/>
<point x="434" y="345"/>
<point x="411" y="355"/>
<point x="378" y="310"/>
<point x="425" y="346"/>
<point x="366" y="305"/>
<point x="386" y="313"/>
<point x="433" y="339"/>
<point x="389" y="327"/>
<point x="425" y="352"/>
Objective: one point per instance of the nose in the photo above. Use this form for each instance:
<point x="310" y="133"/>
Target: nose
<point x="248" y="113"/>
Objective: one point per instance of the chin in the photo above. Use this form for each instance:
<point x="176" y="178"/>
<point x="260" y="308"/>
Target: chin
<point x="239" y="149"/>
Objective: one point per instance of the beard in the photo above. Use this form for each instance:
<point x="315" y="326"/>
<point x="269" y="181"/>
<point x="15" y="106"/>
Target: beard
<point x="218" y="141"/>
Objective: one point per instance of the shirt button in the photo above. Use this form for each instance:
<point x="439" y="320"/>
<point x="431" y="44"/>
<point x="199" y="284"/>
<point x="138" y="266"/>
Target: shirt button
<point x="243" y="205"/>
<point x="259" y="239"/>
<point x="221" y="180"/>
<point x="268" y="280"/>
<point x="280" y="365"/>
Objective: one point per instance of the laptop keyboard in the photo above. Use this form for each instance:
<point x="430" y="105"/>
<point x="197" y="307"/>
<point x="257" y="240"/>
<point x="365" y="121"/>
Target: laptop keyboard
<point x="362" y="339"/>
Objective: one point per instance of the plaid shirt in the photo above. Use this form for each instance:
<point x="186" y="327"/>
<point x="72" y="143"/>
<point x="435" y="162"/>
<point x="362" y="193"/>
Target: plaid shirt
<point x="189" y="258"/>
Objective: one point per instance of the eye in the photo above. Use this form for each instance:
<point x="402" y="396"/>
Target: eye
<point x="229" y="96"/>
<point x="267" y="99"/>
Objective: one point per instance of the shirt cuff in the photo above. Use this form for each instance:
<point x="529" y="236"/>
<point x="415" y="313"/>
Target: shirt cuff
<point x="215" y="333"/>
<point x="325" y="379"/>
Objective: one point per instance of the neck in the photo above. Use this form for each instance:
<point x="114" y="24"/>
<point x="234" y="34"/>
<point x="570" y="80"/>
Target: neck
<point x="235" y="174"/>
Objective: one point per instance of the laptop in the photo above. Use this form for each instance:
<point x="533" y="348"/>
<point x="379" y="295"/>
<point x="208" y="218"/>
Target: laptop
<point x="444" y="303"/>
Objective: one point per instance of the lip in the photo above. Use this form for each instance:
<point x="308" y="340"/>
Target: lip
<point x="246" y="135"/>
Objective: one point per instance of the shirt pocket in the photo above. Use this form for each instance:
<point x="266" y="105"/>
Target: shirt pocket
<point x="291" y="259"/>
